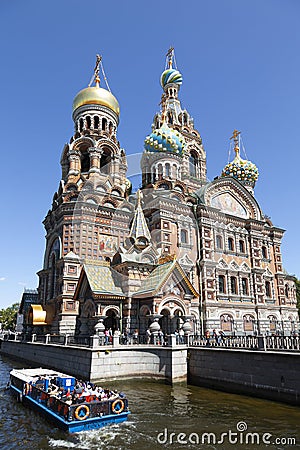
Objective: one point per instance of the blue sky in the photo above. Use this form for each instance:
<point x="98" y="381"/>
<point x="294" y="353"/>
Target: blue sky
<point x="240" y="62"/>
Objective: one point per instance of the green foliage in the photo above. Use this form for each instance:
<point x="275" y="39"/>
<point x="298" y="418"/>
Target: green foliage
<point x="8" y="316"/>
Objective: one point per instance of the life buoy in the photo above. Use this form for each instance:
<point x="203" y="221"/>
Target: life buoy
<point x="26" y="389"/>
<point x="82" y="412"/>
<point x="118" y="406"/>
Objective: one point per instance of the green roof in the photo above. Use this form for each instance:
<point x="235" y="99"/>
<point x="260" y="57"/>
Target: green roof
<point x="156" y="278"/>
<point x="102" y="280"/>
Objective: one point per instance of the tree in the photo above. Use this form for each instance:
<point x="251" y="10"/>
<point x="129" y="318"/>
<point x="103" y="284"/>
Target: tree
<point x="8" y="316"/>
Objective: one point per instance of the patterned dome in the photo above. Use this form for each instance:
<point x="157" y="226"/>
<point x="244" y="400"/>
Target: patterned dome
<point x="244" y="171"/>
<point x="165" y="139"/>
<point x="170" y="76"/>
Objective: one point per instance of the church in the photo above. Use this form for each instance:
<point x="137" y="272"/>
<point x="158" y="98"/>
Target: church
<point x="182" y="251"/>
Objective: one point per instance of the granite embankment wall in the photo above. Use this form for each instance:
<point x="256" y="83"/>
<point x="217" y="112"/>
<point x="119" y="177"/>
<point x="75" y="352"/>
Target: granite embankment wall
<point x="104" y="363"/>
<point x="274" y="375"/>
<point x="265" y="374"/>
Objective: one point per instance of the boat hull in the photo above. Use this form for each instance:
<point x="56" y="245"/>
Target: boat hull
<point x="70" y="420"/>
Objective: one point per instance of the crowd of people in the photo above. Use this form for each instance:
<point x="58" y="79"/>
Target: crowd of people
<point x="81" y="392"/>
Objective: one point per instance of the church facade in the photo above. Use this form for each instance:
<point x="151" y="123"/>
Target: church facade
<point x="182" y="251"/>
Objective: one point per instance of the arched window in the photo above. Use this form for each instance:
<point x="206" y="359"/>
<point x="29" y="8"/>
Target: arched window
<point x="242" y="246"/>
<point x="168" y="170"/>
<point x="230" y="244"/>
<point x="88" y="122"/>
<point x="219" y="242"/>
<point x="105" y="161"/>
<point x="193" y="165"/>
<point x="233" y="285"/>
<point x="264" y="252"/>
<point x="226" y="321"/>
<point x="104" y="124"/>
<point x="245" y="286"/>
<point x="222" y="284"/>
<point x="268" y="289"/>
<point x="96" y="122"/>
<point x="183" y="236"/>
<point x="81" y="123"/>
<point x="85" y="161"/>
<point x="273" y="321"/>
<point x="248" y="323"/>
<point x="175" y="172"/>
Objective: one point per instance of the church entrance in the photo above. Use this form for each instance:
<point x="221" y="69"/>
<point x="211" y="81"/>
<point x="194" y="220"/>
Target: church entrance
<point x="112" y="321"/>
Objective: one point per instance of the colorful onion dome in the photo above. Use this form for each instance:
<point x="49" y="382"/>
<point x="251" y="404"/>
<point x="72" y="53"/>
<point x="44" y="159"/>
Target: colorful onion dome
<point x="170" y="76"/>
<point x="244" y="171"/>
<point x="95" y="95"/>
<point x="165" y="139"/>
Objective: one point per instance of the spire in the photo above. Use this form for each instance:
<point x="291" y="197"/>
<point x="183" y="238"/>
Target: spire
<point x="139" y="232"/>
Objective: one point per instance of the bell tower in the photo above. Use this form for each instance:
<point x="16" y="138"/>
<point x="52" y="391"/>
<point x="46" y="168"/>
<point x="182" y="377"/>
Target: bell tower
<point x="86" y="220"/>
<point x="174" y="150"/>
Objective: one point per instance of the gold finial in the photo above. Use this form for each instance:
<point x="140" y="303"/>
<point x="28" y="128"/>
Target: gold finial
<point x="170" y="55"/>
<point x="96" y="71"/>
<point x="235" y="137"/>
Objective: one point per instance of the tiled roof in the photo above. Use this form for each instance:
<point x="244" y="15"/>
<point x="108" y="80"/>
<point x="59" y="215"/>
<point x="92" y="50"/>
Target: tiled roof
<point x="102" y="280"/>
<point x="156" y="278"/>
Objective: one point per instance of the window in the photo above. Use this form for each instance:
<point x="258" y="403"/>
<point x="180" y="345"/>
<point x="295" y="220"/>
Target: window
<point x="286" y="290"/>
<point x="268" y="289"/>
<point x="168" y="170"/>
<point x="183" y="236"/>
<point x="230" y="244"/>
<point x="85" y="161"/>
<point x="248" y="323"/>
<point x="219" y="242"/>
<point x="88" y="122"/>
<point x="233" y="285"/>
<point x="264" y="252"/>
<point x="226" y="322"/>
<point x="193" y="165"/>
<point x="96" y="122"/>
<point x="242" y="246"/>
<point x="222" y="286"/>
<point x="245" y="289"/>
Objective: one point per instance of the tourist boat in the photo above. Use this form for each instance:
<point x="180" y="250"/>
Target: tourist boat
<point x="34" y="388"/>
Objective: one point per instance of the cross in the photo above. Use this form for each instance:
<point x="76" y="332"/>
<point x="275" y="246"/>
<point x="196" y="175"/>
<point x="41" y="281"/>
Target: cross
<point x="235" y="135"/>
<point x="170" y="54"/>
<point x="98" y="61"/>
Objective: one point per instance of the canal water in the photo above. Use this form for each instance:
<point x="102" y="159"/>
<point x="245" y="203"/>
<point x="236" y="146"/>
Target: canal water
<point x="180" y="417"/>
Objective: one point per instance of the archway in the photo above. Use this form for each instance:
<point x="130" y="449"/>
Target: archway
<point x="164" y="322"/>
<point x="112" y="320"/>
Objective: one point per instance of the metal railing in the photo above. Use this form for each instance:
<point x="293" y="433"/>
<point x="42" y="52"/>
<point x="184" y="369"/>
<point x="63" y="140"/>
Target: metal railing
<point x="275" y="343"/>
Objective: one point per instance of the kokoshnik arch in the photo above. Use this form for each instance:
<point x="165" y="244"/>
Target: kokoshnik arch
<point x="181" y="249"/>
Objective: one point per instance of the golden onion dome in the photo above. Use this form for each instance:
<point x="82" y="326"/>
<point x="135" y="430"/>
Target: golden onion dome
<point x="95" y="95"/>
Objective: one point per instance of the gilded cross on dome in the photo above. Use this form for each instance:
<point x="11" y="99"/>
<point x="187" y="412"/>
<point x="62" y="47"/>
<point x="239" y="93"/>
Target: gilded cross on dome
<point x="170" y="55"/>
<point x="96" y="71"/>
<point x="235" y="137"/>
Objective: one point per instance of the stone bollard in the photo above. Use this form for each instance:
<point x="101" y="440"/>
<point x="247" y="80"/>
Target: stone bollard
<point x="95" y="341"/>
<point x="33" y="338"/>
<point x="47" y="338"/>
<point x="116" y="340"/>
<point x="173" y="340"/>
